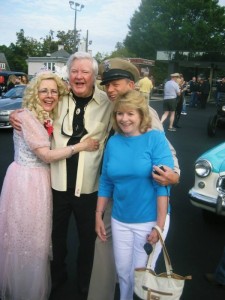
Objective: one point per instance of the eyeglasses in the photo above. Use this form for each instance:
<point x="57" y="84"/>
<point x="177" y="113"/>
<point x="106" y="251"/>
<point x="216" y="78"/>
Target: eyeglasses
<point x="45" y="92"/>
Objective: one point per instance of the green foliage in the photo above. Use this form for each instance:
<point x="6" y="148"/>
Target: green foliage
<point x="26" y="46"/>
<point x="188" y="25"/>
<point x="17" y="54"/>
<point x="121" y="51"/>
<point x="101" y="56"/>
<point x="159" y="72"/>
<point x="157" y="25"/>
<point x="67" y="39"/>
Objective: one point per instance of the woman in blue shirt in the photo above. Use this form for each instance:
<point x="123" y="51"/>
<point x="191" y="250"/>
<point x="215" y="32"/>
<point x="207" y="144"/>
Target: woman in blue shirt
<point x="139" y="203"/>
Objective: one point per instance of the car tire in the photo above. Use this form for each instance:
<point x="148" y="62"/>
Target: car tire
<point x="211" y="127"/>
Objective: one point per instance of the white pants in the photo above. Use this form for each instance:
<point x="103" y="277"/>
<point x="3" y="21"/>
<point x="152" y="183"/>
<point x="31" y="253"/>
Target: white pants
<point x="128" y="242"/>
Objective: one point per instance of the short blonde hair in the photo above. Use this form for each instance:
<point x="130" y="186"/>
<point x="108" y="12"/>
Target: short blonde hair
<point x="133" y="100"/>
<point x="12" y="78"/>
<point x="31" y="100"/>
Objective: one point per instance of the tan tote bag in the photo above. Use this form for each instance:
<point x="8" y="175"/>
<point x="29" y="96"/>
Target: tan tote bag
<point x="165" y="286"/>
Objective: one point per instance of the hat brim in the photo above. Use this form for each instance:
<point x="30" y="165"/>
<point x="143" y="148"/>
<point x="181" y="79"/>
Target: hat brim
<point x="115" y="74"/>
<point x="104" y="82"/>
<point x="175" y="75"/>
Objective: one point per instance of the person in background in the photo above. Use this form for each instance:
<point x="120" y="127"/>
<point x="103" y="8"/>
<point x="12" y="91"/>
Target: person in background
<point x="119" y="77"/>
<point x="193" y="89"/>
<point x="185" y="89"/>
<point x="2" y="85"/>
<point x="180" y="100"/>
<point x="145" y="87"/>
<point x="24" y="79"/>
<point x="204" y="90"/>
<point x="18" y="80"/>
<point x="26" y="197"/>
<point x="139" y="203"/>
<point x="220" y="90"/>
<point x="181" y="103"/>
<point x="151" y="77"/>
<point x="171" y="92"/>
<point x="11" y="82"/>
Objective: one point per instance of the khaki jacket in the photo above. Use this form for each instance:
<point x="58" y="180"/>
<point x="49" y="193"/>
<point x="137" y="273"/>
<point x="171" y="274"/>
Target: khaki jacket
<point x="97" y="120"/>
<point x="156" y="124"/>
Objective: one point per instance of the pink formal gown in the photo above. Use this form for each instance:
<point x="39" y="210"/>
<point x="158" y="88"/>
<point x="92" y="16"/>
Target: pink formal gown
<point x="26" y="217"/>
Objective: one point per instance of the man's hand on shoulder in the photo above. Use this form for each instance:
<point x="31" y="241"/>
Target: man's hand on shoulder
<point x="166" y="177"/>
<point x="14" y="120"/>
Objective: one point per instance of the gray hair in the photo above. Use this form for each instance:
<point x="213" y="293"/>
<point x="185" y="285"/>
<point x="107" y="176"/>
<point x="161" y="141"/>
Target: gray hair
<point x="83" y="55"/>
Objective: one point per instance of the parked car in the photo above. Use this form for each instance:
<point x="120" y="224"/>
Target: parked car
<point x="4" y="75"/>
<point x="208" y="192"/>
<point x="9" y="102"/>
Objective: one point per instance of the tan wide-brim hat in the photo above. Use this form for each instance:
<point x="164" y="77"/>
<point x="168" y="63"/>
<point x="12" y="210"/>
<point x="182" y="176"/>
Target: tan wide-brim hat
<point x="117" y="68"/>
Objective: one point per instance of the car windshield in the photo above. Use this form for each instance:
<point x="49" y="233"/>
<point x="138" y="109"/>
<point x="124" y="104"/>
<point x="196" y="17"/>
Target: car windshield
<point x="16" y="92"/>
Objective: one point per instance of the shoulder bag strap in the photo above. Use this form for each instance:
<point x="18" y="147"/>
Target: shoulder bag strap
<point x="169" y="269"/>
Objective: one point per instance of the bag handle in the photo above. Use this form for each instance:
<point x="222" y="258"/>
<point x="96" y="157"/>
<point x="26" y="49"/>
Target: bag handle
<point x="169" y="269"/>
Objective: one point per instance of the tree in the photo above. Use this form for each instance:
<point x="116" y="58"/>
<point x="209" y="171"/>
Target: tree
<point x="48" y="44"/>
<point x="121" y="51"/>
<point x="26" y="46"/>
<point x="101" y="56"/>
<point x="16" y="54"/>
<point x="67" y="39"/>
<point x="188" y="25"/>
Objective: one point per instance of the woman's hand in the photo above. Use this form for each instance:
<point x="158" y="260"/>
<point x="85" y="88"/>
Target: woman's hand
<point x="100" y="227"/>
<point x="90" y="144"/>
<point x="13" y="119"/>
<point x="153" y="237"/>
<point x="166" y="177"/>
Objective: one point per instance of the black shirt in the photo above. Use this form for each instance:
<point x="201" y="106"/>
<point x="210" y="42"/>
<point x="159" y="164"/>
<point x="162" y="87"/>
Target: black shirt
<point x="78" y="132"/>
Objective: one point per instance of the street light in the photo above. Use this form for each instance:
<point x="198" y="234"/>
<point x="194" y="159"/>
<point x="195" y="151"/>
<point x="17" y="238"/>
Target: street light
<point x="87" y="42"/>
<point x="76" y="7"/>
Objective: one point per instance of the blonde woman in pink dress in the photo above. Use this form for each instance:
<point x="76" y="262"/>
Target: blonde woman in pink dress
<point x="26" y="197"/>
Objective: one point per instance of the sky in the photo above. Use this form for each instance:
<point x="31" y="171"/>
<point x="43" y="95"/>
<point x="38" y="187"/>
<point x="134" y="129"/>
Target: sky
<point x="105" y="20"/>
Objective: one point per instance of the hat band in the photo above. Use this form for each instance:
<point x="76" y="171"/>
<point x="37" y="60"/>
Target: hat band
<point x="115" y="74"/>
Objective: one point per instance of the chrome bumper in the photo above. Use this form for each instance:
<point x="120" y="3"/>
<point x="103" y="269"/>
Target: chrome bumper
<point x="214" y="204"/>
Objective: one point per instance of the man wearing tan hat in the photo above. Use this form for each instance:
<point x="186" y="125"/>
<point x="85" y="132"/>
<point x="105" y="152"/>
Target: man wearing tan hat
<point x="119" y="77"/>
<point x="171" y="91"/>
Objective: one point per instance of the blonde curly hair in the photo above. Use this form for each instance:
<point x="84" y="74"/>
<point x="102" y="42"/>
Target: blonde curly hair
<point x="135" y="101"/>
<point x="31" y="100"/>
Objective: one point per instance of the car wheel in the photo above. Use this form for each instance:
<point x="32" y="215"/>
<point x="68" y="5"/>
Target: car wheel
<point x="211" y="128"/>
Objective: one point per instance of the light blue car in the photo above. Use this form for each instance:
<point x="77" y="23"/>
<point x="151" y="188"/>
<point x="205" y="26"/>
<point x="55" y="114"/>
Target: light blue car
<point x="208" y="192"/>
